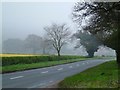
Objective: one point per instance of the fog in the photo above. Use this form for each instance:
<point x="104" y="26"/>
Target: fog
<point x="21" y="19"/>
<point x="24" y="18"/>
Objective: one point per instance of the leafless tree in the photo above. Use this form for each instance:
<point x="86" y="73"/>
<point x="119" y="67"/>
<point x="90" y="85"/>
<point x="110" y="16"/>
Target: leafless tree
<point x="57" y="35"/>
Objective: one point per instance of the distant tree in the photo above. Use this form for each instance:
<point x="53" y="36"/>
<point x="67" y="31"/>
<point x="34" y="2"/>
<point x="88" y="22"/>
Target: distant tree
<point x="45" y="45"/>
<point x="104" y="21"/>
<point x="13" y="46"/>
<point x="33" y="42"/>
<point x="57" y="35"/>
<point x="88" y="41"/>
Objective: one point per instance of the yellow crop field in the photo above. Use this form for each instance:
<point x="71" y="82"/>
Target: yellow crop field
<point x="20" y="55"/>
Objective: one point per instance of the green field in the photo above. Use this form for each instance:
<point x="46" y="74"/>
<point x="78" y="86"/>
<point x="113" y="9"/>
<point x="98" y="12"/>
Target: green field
<point x="102" y="76"/>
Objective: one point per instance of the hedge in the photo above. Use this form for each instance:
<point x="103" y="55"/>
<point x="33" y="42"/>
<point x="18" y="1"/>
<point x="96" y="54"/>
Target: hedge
<point x="33" y="59"/>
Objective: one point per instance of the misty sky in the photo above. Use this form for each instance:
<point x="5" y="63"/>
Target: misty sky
<point x="19" y="19"/>
<point x="23" y="18"/>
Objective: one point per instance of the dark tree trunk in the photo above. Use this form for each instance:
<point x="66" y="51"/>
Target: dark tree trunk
<point x="118" y="57"/>
<point x="58" y="53"/>
<point x="90" y="54"/>
<point x="118" y="62"/>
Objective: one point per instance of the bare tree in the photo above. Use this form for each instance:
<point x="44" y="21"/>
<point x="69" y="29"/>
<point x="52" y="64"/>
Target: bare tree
<point x="58" y="36"/>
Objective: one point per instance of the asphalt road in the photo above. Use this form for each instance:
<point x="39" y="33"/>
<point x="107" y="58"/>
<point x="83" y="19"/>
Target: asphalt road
<point x="44" y="77"/>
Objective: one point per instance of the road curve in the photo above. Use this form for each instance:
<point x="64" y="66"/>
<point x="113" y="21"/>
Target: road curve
<point x="44" y="77"/>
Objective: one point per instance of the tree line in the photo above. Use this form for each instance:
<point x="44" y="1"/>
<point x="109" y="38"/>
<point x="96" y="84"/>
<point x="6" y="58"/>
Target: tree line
<point x="103" y="22"/>
<point x="32" y="44"/>
<point x="56" y="38"/>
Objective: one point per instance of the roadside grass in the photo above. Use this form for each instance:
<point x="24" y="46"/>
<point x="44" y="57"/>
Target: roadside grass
<point x="101" y="76"/>
<point x="21" y="67"/>
<point x="20" y="62"/>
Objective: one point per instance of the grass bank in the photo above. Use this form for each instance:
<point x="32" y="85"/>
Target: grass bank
<point x="101" y="76"/>
<point x="21" y="67"/>
<point x="16" y="62"/>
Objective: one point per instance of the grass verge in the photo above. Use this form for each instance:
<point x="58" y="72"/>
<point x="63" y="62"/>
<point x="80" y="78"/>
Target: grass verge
<point x="101" y="76"/>
<point x="6" y="61"/>
<point x="21" y="67"/>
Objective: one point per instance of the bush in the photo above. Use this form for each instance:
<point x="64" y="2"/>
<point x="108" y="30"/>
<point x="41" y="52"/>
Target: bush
<point x="33" y="59"/>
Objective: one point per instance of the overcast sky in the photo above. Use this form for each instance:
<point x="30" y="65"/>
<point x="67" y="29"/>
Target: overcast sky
<point x="19" y="19"/>
<point x="23" y="18"/>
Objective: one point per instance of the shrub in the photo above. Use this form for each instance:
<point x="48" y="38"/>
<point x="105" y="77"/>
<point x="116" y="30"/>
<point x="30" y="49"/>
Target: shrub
<point x="34" y="59"/>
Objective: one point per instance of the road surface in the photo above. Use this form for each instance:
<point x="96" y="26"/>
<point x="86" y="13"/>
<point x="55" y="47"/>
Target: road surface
<point x="44" y="77"/>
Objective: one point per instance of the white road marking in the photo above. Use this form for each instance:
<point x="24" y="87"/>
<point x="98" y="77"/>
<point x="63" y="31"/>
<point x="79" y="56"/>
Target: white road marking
<point x="70" y="66"/>
<point x="17" y="77"/>
<point x="50" y="81"/>
<point x="45" y="72"/>
<point x="60" y="69"/>
<point x="83" y="63"/>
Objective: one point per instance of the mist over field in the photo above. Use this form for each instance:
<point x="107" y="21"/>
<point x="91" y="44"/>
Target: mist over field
<point x="23" y="19"/>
